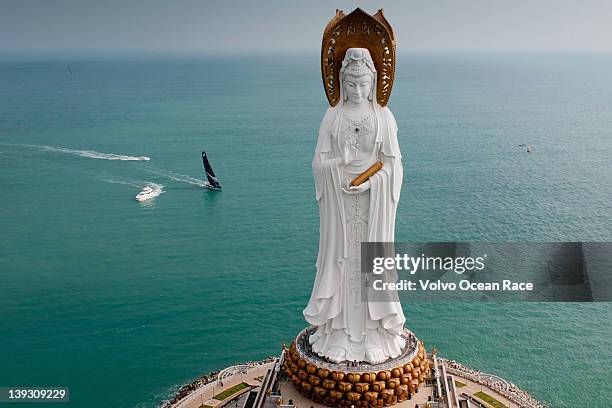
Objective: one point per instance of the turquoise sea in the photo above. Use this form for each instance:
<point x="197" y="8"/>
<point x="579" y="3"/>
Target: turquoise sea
<point x="125" y="302"/>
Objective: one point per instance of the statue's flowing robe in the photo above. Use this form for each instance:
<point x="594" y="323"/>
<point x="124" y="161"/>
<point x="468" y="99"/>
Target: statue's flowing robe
<point x="327" y="296"/>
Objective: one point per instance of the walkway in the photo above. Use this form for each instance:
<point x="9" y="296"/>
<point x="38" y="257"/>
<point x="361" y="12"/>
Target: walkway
<point x="204" y="395"/>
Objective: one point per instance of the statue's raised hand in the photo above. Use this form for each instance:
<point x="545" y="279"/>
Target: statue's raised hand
<point x="349" y="153"/>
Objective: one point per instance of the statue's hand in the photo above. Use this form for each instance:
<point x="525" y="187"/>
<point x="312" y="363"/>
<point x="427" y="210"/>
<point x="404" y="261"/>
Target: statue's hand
<point x="357" y="189"/>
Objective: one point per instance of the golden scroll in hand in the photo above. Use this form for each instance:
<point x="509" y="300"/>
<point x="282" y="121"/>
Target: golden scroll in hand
<point x="363" y="177"/>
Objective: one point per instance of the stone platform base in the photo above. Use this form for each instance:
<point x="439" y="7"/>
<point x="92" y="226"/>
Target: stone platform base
<point x="367" y="385"/>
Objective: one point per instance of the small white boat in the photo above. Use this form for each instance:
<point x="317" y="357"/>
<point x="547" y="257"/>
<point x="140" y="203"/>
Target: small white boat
<point x="147" y="193"/>
<point x="144" y="158"/>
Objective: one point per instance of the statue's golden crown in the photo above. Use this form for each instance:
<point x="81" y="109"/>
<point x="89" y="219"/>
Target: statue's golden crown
<point x="358" y="30"/>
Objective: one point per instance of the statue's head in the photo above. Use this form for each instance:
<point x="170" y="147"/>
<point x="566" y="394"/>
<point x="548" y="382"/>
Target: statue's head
<point x="358" y="75"/>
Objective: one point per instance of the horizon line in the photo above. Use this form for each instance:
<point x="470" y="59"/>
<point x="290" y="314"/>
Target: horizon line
<point x="283" y="51"/>
<point x="152" y="54"/>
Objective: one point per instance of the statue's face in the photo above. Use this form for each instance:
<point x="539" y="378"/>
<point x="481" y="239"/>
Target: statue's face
<point x="357" y="89"/>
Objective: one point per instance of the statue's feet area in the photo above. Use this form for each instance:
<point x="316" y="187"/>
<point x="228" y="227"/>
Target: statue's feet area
<point x="375" y="348"/>
<point x="336" y="354"/>
<point x="375" y="355"/>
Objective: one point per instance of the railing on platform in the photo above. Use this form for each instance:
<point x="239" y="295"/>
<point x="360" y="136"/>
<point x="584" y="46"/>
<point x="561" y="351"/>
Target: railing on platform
<point x="306" y="354"/>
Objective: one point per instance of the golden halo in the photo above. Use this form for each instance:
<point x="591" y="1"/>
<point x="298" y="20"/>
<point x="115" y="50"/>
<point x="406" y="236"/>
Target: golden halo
<point x="358" y="30"/>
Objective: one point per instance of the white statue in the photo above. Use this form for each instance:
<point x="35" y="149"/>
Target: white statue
<point x="354" y="134"/>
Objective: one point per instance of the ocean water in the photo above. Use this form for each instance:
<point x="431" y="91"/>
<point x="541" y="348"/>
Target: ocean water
<point x="124" y="302"/>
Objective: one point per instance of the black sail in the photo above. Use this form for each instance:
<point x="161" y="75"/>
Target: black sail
<point x="210" y="174"/>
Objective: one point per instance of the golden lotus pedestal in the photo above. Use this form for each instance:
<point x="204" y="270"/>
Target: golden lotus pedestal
<point x="367" y="385"/>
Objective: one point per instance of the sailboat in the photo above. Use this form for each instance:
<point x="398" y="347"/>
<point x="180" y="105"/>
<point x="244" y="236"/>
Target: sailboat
<point x="212" y="182"/>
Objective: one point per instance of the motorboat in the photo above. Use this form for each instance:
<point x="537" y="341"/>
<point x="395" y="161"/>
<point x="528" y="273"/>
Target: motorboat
<point x="147" y="193"/>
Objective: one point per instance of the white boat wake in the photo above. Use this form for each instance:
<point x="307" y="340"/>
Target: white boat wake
<point x="133" y="183"/>
<point x="155" y="189"/>
<point x="178" y="177"/>
<point x="90" y="153"/>
<point x="181" y="178"/>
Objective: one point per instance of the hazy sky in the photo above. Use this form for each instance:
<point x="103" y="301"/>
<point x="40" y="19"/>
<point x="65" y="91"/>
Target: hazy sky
<point x="190" y="25"/>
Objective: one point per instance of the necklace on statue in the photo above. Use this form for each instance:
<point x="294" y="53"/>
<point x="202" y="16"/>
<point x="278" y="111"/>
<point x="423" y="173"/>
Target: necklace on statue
<point x="357" y="125"/>
<point x="356" y="128"/>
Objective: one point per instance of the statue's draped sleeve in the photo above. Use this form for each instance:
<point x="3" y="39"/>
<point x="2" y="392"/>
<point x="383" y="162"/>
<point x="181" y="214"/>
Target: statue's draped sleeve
<point x="326" y="299"/>
<point x="323" y="151"/>
<point x="390" y="149"/>
<point x="385" y="188"/>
